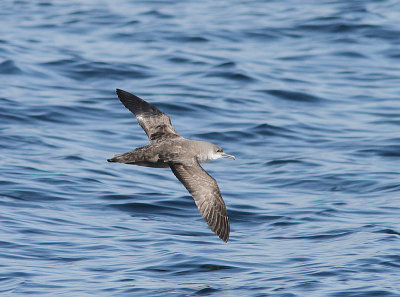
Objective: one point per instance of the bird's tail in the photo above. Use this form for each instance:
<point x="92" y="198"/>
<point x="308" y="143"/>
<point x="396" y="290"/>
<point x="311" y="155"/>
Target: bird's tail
<point x="140" y="157"/>
<point x="135" y="157"/>
<point x="120" y="158"/>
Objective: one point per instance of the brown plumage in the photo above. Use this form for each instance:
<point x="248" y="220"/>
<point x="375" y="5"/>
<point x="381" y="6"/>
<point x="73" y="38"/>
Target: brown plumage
<point x="168" y="149"/>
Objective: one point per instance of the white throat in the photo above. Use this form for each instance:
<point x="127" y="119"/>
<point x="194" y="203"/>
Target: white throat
<point x="208" y="157"/>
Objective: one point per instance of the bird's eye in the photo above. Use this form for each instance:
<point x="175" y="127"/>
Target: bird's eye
<point x="219" y="150"/>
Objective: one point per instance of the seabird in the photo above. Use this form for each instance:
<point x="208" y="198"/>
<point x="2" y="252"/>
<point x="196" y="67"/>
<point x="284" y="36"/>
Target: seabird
<point x="167" y="149"/>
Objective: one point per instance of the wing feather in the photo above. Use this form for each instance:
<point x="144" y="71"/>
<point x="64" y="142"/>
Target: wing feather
<point x="155" y="123"/>
<point x="205" y="191"/>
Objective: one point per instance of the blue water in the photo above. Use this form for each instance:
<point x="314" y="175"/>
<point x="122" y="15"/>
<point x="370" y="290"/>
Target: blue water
<point x="305" y="94"/>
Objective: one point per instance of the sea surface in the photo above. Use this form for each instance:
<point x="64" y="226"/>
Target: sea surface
<point x="305" y="94"/>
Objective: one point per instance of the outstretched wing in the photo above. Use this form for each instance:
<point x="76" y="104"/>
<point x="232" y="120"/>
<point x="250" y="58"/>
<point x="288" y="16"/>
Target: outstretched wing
<point x="155" y="123"/>
<point x="207" y="196"/>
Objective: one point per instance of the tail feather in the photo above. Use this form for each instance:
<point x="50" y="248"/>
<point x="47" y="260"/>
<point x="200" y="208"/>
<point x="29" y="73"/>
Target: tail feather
<point x="120" y="158"/>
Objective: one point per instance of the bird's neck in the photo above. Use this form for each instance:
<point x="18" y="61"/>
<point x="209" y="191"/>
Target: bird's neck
<point x="203" y="158"/>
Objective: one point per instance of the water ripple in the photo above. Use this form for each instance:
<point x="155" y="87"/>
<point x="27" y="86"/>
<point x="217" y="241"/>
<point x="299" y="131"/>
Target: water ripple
<point x="305" y="95"/>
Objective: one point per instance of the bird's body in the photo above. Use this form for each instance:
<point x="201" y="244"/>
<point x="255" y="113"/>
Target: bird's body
<point x="167" y="149"/>
<point x="160" y="154"/>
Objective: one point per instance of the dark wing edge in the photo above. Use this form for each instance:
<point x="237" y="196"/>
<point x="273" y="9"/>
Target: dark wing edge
<point x="155" y="123"/>
<point x="205" y="191"/>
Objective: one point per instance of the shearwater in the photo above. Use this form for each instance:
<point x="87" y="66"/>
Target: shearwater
<point x="167" y="149"/>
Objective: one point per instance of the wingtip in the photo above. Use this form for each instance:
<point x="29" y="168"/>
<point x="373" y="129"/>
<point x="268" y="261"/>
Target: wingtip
<point x="224" y="237"/>
<point x="224" y="232"/>
<point x="124" y="95"/>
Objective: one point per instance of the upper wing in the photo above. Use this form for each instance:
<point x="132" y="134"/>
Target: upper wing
<point x="207" y="196"/>
<point x="155" y="123"/>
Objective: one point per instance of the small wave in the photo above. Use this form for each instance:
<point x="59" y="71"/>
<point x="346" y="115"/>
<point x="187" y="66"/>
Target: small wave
<point x="79" y="69"/>
<point x="230" y="76"/>
<point x="350" y="54"/>
<point x="263" y="34"/>
<point x="337" y="27"/>
<point x="391" y="151"/>
<point x="32" y="195"/>
<point x="226" y="65"/>
<point x="9" y="67"/>
<point x="271" y="130"/>
<point x="278" y="163"/>
<point x="388" y="231"/>
<point x="194" y="39"/>
<point x="149" y="209"/>
<point x="157" y="13"/>
<point x="225" y="136"/>
<point x="317" y="237"/>
<point x="293" y="96"/>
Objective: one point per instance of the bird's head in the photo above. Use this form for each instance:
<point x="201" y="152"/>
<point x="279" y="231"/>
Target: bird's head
<point x="219" y="153"/>
<point x="210" y="152"/>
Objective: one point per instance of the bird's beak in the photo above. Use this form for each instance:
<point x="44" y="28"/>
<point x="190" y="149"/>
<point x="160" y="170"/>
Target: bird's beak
<point x="227" y="156"/>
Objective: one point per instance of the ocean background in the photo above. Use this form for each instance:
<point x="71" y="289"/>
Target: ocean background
<point x="305" y="94"/>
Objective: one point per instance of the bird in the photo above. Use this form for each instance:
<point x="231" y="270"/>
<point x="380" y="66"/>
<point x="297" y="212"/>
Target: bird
<point x="168" y="149"/>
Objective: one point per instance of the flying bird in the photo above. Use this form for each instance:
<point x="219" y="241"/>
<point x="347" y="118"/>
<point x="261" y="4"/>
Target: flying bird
<point x="167" y="149"/>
